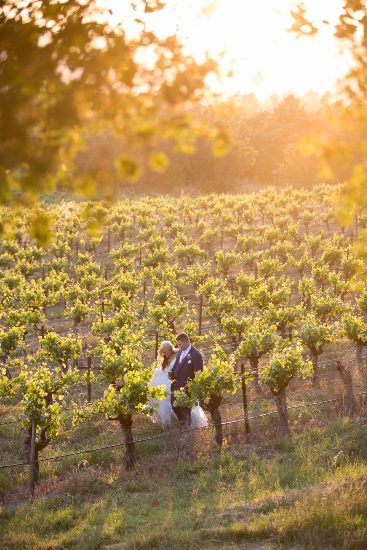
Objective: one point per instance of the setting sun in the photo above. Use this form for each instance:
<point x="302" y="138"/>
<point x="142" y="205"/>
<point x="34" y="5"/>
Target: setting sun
<point x="257" y="53"/>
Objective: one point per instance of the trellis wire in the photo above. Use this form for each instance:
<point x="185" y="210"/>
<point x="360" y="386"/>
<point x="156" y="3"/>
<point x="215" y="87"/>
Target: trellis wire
<point x="170" y="434"/>
<point x="321" y="375"/>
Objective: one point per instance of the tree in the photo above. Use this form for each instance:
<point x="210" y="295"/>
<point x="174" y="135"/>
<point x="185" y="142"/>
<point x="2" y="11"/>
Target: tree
<point x="60" y="349"/>
<point x="42" y="391"/>
<point x="166" y="306"/>
<point x="11" y="342"/>
<point x="348" y="122"/>
<point x="129" y="395"/>
<point x="285" y="364"/>
<point x="129" y="391"/>
<point x="314" y="335"/>
<point x="269" y="292"/>
<point x="84" y="78"/>
<point x="258" y="339"/>
<point x="209" y="386"/>
<point x="220" y="306"/>
<point x="282" y="318"/>
<point x="355" y="328"/>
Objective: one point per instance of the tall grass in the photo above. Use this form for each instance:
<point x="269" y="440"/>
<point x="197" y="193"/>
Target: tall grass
<point x="310" y="491"/>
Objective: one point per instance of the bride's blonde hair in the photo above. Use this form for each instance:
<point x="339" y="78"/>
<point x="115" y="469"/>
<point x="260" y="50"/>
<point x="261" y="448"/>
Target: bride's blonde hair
<point x="164" y="360"/>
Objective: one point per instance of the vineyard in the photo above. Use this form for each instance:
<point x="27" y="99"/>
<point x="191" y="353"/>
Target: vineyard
<point x="267" y="287"/>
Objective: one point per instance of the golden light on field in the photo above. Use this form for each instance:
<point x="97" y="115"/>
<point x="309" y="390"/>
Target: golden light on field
<point x="251" y="40"/>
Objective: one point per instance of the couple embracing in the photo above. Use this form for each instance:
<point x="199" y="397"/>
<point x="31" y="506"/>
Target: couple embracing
<point x="177" y="367"/>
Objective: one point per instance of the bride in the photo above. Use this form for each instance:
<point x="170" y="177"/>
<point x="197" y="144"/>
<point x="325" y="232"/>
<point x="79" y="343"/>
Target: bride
<point x="165" y="414"/>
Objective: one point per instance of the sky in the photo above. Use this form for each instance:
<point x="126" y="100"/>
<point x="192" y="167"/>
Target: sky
<point x="251" y="40"/>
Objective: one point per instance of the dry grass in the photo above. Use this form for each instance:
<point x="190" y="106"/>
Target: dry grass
<point x="308" y="492"/>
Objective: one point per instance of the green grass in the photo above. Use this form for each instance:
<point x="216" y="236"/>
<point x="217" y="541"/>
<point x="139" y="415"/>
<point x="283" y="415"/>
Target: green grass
<point x="329" y="516"/>
<point x="308" y="493"/>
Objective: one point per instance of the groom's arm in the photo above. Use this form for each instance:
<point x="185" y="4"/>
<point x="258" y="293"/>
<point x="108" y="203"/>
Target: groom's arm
<point x="198" y="363"/>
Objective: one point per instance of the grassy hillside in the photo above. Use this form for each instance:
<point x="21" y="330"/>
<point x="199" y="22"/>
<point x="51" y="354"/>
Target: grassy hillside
<point x="306" y="493"/>
<point x="217" y="268"/>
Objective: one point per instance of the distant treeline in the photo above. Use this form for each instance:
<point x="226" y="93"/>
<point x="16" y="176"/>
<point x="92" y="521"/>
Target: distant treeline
<point x="272" y="143"/>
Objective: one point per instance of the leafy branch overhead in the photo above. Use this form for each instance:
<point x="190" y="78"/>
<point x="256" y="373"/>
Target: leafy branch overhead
<point x="66" y="74"/>
<point x="345" y="142"/>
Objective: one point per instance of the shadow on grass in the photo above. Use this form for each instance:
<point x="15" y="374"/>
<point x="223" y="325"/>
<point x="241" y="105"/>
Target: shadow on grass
<point x="186" y="495"/>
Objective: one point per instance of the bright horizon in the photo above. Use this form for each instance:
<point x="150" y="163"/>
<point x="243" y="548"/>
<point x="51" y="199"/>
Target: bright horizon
<point x="263" y="57"/>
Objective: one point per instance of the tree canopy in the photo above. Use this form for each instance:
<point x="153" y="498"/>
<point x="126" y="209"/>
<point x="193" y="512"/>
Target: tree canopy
<point x="346" y="142"/>
<point x="66" y="73"/>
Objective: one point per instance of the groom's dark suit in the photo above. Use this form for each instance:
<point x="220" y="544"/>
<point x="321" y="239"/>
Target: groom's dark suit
<point x="182" y="372"/>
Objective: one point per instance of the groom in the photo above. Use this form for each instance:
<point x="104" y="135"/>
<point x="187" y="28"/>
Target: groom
<point x="188" y="361"/>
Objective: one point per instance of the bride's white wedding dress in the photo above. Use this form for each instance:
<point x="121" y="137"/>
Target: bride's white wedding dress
<point x="164" y="413"/>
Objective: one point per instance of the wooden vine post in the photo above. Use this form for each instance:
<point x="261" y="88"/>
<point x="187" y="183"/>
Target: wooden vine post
<point x="200" y="313"/>
<point x="144" y="296"/>
<point x="356" y="224"/>
<point x="108" y="240"/>
<point x="32" y="460"/>
<point x="89" y="384"/>
<point x="156" y="344"/>
<point x="350" y="401"/>
<point x="244" y="400"/>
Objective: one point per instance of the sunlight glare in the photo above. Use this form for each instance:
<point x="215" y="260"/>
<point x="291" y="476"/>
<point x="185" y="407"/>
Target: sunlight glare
<point x="251" y="40"/>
